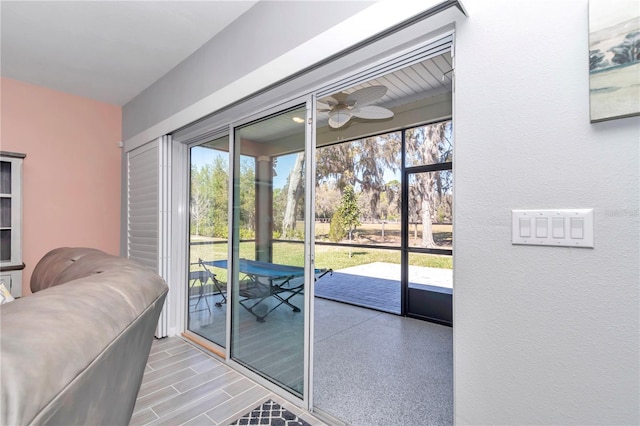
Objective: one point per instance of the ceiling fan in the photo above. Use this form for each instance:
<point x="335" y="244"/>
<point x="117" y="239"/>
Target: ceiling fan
<point x="342" y="106"/>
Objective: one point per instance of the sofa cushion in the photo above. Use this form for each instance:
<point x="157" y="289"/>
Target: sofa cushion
<point x="48" y="270"/>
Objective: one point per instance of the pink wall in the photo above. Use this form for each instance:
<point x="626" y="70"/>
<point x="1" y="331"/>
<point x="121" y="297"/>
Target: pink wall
<point x="71" y="172"/>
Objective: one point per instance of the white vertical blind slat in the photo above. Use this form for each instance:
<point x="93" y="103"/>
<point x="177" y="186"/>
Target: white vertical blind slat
<point x="146" y="200"/>
<point x="143" y="186"/>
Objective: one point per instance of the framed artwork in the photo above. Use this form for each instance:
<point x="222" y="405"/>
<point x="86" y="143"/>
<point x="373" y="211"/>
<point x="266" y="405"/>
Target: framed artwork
<point x="614" y="59"/>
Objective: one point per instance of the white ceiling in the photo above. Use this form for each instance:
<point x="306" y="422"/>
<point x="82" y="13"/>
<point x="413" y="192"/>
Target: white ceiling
<point x="105" y="50"/>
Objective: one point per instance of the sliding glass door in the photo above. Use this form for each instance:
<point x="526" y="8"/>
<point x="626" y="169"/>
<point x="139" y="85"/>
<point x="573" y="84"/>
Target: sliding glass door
<point x="208" y="240"/>
<point x="270" y="251"/>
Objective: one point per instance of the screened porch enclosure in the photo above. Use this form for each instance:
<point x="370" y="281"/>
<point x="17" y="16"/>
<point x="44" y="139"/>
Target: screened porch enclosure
<point x="367" y="258"/>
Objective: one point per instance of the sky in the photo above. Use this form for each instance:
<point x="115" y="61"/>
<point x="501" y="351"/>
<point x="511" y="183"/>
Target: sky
<point x="201" y="156"/>
<point x="283" y="169"/>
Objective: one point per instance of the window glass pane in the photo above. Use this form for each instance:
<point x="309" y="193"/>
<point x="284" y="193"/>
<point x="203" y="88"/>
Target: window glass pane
<point x="369" y="277"/>
<point x="430" y="287"/>
<point x="267" y="326"/>
<point x="5" y="177"/>
<point x="430" y="272"/>
<point x="430" y="144"/>
<point x="5" y="244"/>
<point x="288" y="190"/>
<point x="370" y="167"/>
<point x="246" y="209"/>
<point x="5" y="212"/>
<point x="208" y="241"/>
<point x="431" y="209"/>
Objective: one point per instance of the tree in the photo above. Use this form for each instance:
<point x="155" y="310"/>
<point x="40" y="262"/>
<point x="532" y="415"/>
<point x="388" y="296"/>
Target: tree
<point x="364" y="203"/>
<point x="362" y="163"/>
<point x="295" y="191"/>
<point x="199" y="202"/>
<point x="209" y="197"/>
<point x="199" y="206"/>
<point x="279" y="204"/>
<point x="390" y="203"/>
<point x="336" y="228"/>
<point x="247" y="197"/>
<point x="349" y="212"/>
<point x="335" y="162"/>
<point x="219" y="195"/>
<point x="394" y="200"/>
<point x="327" y="199"/>
<point x="429" y="144"/>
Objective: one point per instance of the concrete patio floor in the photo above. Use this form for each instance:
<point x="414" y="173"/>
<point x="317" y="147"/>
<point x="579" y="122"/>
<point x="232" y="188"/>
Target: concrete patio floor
<point x="377" y="285"/>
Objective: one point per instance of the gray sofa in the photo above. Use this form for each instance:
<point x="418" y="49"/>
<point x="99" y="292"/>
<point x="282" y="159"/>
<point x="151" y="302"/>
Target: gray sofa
<point x="74" y="352"/>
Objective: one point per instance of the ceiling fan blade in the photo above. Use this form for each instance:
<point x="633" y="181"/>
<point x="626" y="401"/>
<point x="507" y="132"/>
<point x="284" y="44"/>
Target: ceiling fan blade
<point x="340" y="97"/>
<point x="372" y="112"/>
<point x="324" y="109"/>
<point x="366" y="96"/>
<point x="328" y="102"/>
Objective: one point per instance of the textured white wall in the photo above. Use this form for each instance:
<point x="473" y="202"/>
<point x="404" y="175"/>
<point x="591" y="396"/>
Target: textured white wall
<point x="263" y="33"/>
<point x="542" y="335"/>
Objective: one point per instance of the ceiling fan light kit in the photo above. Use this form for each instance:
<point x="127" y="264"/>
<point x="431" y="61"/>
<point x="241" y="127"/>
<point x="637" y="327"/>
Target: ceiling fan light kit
<point x="339" y="116"/>
<point x="341" y="107"/>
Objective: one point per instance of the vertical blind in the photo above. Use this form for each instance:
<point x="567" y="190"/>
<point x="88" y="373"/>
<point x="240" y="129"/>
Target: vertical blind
<point x="146" y="211"/>
<point x="143" y="203"/>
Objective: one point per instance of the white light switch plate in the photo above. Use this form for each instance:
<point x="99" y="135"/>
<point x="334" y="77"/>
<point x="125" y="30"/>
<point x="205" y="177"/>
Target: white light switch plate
<point x="563" y="227"/>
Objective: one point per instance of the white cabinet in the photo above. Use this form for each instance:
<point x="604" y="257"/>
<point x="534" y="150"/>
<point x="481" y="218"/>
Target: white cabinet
<point x="11" y="265"/>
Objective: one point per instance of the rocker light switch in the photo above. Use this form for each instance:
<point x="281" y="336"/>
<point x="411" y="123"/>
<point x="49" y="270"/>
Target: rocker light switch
<point x="525" y="227"/>
<point x="577" y="227"/>
<point x="557" y="227"/>
<point x="542" y="227"/>
<point x="564" y="227"/>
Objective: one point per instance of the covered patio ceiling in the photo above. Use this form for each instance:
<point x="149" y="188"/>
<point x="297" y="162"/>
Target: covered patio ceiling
<point x="409" y="89"/>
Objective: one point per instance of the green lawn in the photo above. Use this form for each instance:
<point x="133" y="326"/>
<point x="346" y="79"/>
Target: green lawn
<point x="371" y="233"/>
<point x="333" y="257"/>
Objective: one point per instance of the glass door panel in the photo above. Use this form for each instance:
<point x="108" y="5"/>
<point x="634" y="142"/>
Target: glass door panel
<point x="208" y="240"/>
<point x="430" y="209"/>
<point x="430" y="280"/>
<point x="267" y="320"/>
<point x="429" y="245"/>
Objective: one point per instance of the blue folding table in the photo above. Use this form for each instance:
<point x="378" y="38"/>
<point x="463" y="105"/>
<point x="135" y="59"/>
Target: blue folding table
<point x="264" y="280"/>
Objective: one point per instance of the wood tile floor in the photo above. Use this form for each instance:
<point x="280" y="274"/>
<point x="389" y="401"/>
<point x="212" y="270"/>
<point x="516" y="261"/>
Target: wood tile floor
<point x="183" y="385"/>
